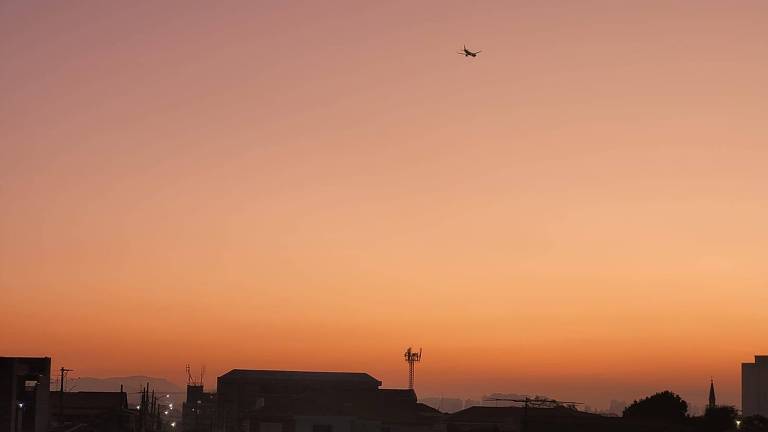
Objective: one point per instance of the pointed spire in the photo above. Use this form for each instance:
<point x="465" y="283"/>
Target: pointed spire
<point x="712" y="399"/>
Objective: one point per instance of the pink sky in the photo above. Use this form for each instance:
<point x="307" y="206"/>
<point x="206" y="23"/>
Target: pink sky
<point x="580" y="211"/>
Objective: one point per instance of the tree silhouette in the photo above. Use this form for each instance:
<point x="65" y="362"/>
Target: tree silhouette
<point x="661" y="406"/>
<point x="720" y="419"/>
<point x="755" y="423"/>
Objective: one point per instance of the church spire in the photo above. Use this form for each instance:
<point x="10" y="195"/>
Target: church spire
<point x="712" y="399"/>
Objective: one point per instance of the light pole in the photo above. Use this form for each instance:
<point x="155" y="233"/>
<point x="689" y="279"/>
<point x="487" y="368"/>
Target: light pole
<point x="19" y="416"/>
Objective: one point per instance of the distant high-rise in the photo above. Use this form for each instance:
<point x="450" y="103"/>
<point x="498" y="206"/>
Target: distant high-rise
<point x="754" y="387"/>
<point x="712" y="398"/>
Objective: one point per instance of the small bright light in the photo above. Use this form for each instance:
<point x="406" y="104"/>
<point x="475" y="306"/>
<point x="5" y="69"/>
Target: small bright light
<point x="738" y="424"/>
<point x="173" y="424"/>
<point x="167" y="395"/>
<point x="138" y="406"/>
<point x="21" y="404"/>
<point x="170" y="406"/>
<point x="165" y="412"/>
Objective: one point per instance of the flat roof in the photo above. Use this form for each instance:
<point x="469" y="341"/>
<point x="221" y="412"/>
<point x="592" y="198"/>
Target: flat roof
<point x="250" y="374"/>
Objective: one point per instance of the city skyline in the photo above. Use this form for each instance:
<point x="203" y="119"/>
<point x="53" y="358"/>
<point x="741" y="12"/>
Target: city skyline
<point x="576" y="212"/>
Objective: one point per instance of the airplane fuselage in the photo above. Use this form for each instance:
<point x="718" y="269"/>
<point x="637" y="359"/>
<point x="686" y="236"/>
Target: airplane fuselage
<point x="467" y="53"/>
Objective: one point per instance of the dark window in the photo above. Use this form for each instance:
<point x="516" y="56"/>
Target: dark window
<point x="322" y="428"/>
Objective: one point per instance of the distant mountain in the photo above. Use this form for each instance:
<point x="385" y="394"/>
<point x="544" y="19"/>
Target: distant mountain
<point x="131" y="384"/>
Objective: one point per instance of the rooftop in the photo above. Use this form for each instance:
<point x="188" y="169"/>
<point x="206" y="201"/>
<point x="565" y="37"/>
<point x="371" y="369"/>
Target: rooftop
<point x="485" y="414"/>
<point x="89" y="402"/>
<point x="247" y="375"/>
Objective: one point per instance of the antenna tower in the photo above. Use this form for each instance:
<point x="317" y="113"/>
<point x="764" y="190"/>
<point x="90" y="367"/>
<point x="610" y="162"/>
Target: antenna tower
<point x="411" y="357"/>
<point x="194" y="381"/>
<point x="190" y="379"/>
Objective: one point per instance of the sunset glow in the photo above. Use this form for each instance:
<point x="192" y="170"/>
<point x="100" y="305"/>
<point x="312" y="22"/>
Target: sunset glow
<point x="578" y="212"/>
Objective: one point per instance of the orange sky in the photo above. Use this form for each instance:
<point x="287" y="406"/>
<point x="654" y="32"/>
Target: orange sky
<point x="580" y="211"/>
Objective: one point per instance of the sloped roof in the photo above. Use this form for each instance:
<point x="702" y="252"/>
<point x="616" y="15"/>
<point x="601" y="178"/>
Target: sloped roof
<point x="486" y="414"/>
<point x="246" y="375"/>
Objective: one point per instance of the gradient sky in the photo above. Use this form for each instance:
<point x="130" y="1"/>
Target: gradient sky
<point x="579" y="212"/>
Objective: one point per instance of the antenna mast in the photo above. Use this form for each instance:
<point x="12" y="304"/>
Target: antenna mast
<point x="194" y="381"/>
<point x="63" y="371"/>
<point x="411" y="357"/>
<point x="190" y="379"/>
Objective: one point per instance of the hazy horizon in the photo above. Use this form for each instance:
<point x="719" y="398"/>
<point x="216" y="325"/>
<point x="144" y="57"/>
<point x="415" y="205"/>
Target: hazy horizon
<point x="579" y="211"/>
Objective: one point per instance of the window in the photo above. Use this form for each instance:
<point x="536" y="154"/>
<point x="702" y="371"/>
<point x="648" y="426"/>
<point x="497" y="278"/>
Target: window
<point x="322" y="428"/>
<point x="270" y="427"/>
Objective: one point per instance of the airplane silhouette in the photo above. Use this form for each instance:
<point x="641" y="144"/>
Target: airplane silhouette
<point x="468" y="53"/>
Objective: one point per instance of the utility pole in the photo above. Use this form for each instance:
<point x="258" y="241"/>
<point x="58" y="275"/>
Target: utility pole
<point x="62" y="377"/>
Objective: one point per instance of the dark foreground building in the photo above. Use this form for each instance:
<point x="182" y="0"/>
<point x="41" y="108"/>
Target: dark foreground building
<point x="555" y="419"/>
<point x="377" y="411"/>
<point x="24" y="394"/>
<point x="290" y="401"/>
<point x="754" y="387"/>
<point x="199" y="411"/>
<point x="519" y="419"/>
<point x="93" y="411"/>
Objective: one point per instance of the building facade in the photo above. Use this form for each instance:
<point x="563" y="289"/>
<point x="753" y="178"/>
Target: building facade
<point x="199" y="410"/>
<point x="754" y="387"/>
<point x="101" y="411"/>
<point x="241" y="391"/>
<point x="291" y="401"/>
<point x="24" y="394"/>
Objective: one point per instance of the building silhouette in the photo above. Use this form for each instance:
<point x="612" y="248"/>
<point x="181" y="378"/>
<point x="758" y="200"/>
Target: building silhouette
<point x="24" y="394"/>
<point x="102" y="411"/>
<point x="712" y="399"/>
<point x="293" y="401"/>
<point x="199" y="410"/>
<point x="521" y="419"/>
<point x="754" y="387"/>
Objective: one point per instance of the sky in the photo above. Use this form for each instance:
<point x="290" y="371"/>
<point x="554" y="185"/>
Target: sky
<point x="577" y="212"/>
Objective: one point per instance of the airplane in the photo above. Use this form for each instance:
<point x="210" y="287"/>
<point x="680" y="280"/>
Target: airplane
<point x="468" y="53"/>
